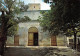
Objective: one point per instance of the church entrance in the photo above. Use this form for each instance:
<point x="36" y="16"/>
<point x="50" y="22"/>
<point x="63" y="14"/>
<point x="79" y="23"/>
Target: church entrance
<point x="33" y="36"/>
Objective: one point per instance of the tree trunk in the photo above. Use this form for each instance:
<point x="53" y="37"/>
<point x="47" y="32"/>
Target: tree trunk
<point x="2" y="48"/>
<point x="74" y="38"/>
<point x="3" y="37"/>
<point x="3" y="42"/>
<point x="75" y="41"/>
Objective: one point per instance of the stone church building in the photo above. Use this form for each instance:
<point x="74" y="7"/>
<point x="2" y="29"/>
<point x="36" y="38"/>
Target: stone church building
<point x="32" y="34"/>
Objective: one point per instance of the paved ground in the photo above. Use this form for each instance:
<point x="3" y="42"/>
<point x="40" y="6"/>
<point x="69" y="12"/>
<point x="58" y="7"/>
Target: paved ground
<point x="45" y="51"/>
<point x="12" y="51"/>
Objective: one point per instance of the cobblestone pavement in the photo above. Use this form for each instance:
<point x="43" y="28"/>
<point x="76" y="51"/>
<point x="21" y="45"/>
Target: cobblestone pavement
<point x="45" y="51"/>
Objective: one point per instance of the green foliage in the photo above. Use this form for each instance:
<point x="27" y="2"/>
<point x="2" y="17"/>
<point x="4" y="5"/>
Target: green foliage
<point x="44" y="20"/>
<point x="9" y="25"/>
<point x="67" y="15"/>
<point x="23" y="7"/>
<point x="13" y="24"/>
<point x="12" y="30"/>
<point x="64" y="17"/>
<point x="24" y="19"/>
<point x="12" y="7"/>
<point x="12" y="27"/>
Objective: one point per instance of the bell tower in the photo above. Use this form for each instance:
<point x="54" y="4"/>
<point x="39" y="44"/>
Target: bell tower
<point x="34" y="6"/>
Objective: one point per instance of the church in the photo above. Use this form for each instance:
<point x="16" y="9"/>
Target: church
<point x="31" y="33"/>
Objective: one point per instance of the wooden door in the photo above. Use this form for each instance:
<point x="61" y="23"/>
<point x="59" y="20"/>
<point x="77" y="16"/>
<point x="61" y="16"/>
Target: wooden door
<point x="53" y="41"/>
<point x="30" y="39"/>
<point x="16" y="40"/>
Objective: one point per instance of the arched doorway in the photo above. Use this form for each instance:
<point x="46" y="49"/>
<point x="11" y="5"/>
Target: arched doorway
<point x="33" y="36"/>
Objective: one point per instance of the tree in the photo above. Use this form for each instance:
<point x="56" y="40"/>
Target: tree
<point x="64" y="17"/>
<point x="45" y="21"/>
<point x="23" y="7"/>
<point x="8" y="8"/>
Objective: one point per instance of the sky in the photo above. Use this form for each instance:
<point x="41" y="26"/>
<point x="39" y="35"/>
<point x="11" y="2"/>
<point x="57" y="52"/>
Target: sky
<point x="44" y="6"/>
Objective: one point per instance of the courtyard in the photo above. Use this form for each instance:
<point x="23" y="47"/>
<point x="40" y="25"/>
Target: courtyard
<point x="40" y="51"/>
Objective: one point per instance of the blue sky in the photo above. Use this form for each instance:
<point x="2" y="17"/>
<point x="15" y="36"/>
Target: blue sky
<point x="44" y="6"/>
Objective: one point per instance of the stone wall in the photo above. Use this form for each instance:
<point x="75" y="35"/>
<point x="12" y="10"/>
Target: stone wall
<point x="43" y="37"/>
<point x="23" y="33"/>
<point x="61" y="40"/>
<point x="10" y="41"/>
<point x="33" y="15"/>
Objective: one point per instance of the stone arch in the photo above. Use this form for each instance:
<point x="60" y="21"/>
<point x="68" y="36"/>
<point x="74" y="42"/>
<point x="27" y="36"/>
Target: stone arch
<point x="33" y="29"/>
